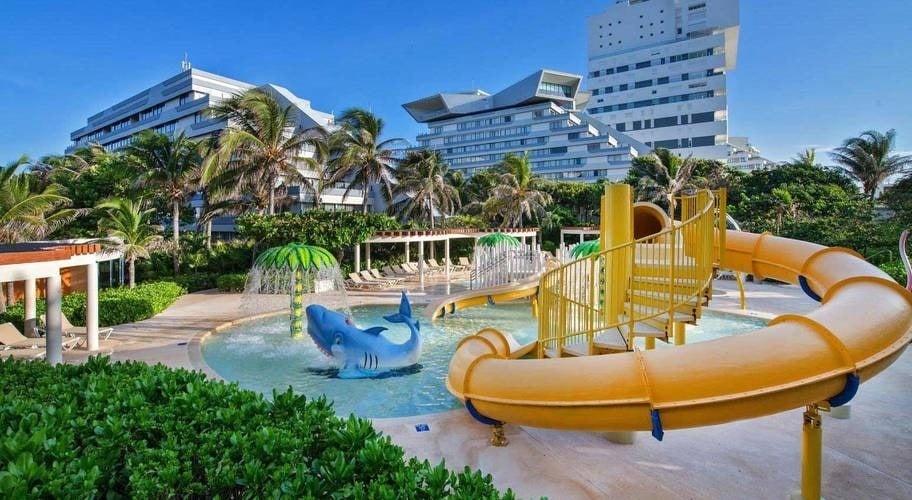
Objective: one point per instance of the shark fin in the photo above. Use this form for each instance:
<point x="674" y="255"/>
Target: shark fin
<point x="405" y="308"/>
<point x="395" y="318"/>
<point x="375" y="330"/>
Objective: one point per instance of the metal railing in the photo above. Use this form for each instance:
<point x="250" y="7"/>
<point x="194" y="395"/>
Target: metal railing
<point x="645" y="284"/>
<point x="504" y="263"/>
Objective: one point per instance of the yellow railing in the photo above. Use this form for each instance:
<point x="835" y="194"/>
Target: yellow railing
<point x="602" y="302"/>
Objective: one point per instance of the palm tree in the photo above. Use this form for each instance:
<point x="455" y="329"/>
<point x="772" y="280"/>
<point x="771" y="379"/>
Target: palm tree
<point x="661" y="175"/>
<point x="424" y="178"/>
<point x="27" y="213"/>
<point x="783" y="204"/>
<point x="365" y="160"/>
<point x="870" y="160"/>
<point x="261" y="148"/>
<point x="172" y="168"/>
<point x="325" y="146"/>
<point x="126" y="223"/>
<point x="807" y="157"/>
<point x="513" y="198"/>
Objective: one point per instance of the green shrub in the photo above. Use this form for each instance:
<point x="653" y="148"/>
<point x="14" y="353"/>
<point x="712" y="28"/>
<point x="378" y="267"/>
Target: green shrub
<point x="896" y="270"/>
<point x="105" y="429"/>
<point x="115" y="305"/>
<point x="234" y="282"/>
<point x="195" y="282"/>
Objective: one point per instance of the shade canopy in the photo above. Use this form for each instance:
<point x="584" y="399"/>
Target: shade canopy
<point x="586" y="249"/>
<point x="295" y="256"/>
<point x="495" y="239"/>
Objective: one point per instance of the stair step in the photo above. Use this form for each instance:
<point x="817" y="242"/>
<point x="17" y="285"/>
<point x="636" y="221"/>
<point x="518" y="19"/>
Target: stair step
<point x="661" y="314"/>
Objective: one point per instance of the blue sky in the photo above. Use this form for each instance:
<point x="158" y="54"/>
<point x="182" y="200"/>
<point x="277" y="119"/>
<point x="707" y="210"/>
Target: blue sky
<point x="810" y="73"/>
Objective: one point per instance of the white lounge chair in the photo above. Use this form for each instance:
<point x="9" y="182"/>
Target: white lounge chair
<point x="71" y="330"/>
<point x="393" y="279"/>
<point x="355" y="281"/>
<point x="12" y="338"/>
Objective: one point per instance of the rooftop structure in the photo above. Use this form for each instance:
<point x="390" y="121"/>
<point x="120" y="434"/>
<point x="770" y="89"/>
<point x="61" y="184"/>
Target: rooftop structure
<point x="540" y="115"/>
<point x="745" y="156"/>
<point x="657" y="71"/>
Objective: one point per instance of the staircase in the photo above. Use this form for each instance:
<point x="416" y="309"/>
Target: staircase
<point x="600" y="304"/>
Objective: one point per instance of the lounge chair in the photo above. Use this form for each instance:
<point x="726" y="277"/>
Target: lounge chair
<point x="406" y="270"/>
<point x="376" y="274"/>
<point x="434" y="268"/>
<point x="464" y="261"/>
<point x="369" y="278"/>
<point x="12" y="338"/>
<point x="392" y="271"/>
<point x="72" y="331"/>
<point x="411" y="267"/>
<point x="456" y="268"/>
<point x="354" y="281"/>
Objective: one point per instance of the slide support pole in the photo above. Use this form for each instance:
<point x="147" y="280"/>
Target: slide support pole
<point x="811" y="453"/>
<point x="679" y="333"/>
<point x="650" y="343"/>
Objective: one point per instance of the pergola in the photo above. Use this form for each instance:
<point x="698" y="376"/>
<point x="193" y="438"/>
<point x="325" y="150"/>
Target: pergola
<point x="430" y="236"/>
<point x="33" y="261"/>
<point x="582" y="232"/>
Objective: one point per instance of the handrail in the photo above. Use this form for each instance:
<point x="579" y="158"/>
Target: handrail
<point x="657" y="279"/>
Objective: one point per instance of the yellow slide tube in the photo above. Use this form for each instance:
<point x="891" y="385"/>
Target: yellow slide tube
<point x="861" y="327"/>
<point x="484" y="296"/>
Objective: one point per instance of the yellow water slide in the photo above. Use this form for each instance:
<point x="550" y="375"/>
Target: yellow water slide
<point x="861" y="327"/>
<point x="509" y="292"/>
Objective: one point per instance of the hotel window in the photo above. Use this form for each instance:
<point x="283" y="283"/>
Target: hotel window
<point x="645" y="64"/>
<point x="623" y="87"/>
<point x="637" y="125"/>
<point x="198" y="117"/>
<point x="151" y="112"/>
<point x="621" y="69"/>
<point x="642" y="84"/>
<point x="662" y="81"/>
<point x="620" y="127"/>
<point x="555" y="89"/>
<point x="184" y="99"/>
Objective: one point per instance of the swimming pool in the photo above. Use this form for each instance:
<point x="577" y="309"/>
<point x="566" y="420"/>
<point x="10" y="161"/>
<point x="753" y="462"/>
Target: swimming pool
<point x="261" y="356"/>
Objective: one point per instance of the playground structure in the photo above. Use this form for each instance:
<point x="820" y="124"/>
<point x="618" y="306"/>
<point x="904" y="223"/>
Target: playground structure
<point x="500" y="259"/>
<point x="646" y="284"/>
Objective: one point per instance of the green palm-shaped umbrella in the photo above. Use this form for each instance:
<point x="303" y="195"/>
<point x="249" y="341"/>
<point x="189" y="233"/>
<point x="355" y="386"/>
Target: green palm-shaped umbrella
<point x="300" y="260"/>
<point x="586" y="249"/>
<point x="495" y="239"/>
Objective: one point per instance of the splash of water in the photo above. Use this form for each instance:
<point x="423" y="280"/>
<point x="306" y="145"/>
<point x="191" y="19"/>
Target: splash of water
<point x="271" y="289"/>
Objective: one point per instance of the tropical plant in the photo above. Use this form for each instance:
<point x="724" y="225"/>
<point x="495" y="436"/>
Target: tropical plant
<point x="514" y="198"/>
<point x="171" y="168"/>
<point x="261" y="149"/>
<point x="324" y="146"/>
<point x="26" y="213"/>
<point x="869" y="159"/>
<point x="126" y="223"/>
<point x="423" y="178"/>
<point x="660" y="176"/>
<point x="365" y="160"/>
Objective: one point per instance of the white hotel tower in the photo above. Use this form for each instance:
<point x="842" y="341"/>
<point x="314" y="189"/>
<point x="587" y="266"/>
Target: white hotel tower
<point x="657" y="72"/>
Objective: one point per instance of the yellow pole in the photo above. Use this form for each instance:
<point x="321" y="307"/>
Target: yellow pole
<point x="811" y="454"/>
<point x="616" y="229"/>
<point x="650" y="343"/>
<point x="679" y="332"/>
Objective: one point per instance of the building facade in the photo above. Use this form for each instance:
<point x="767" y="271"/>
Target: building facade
<point x="744" y="156"/>
<point x="540" y="115"/>
<point x="657" y="71"/>
<point x="182" y="103"/>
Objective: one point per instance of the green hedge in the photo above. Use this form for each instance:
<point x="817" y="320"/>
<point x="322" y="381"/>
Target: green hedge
<point x="116" y="306"/>
<point x="107" y="429"/>
<point x="232" y="282"/>
<point x="896" y="270"/>
<point x="196" y="281"/>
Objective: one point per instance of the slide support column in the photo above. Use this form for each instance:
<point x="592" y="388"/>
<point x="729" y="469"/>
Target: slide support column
<point x="811" y="453"/>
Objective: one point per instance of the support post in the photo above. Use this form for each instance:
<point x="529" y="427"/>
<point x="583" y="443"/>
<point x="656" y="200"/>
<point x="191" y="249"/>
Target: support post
<point x="11" y="293"/>
<point x="582" y="237"/>
<point x="357" y="257"/>
<point x="811" y="454"/>
<point x="446" y="258"/>
<point x="54" y="335"/>
<point x="421" y="264"/>
<point x="92" y="306"/>
<point x="408" y="248"/>
<point x="31" y="313"/>
<point x="680" y="335"/>
<point x="616" y="229"/>
<point x="650" y="343"/>
<point x="562" y="239"/>
<point x="367" y="252"/>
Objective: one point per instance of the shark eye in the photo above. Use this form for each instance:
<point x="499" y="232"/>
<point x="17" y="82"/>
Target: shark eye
<point x="338" y="339"/>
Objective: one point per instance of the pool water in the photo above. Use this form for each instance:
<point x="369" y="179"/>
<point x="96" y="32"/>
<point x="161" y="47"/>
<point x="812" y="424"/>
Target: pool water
<point x="261" y="356"/>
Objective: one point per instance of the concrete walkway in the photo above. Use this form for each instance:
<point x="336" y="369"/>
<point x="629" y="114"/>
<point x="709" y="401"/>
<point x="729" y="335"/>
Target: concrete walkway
<point x="867" y="456"/>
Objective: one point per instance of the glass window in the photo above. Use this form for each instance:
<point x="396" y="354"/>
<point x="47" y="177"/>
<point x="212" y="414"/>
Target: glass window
<point x="644" y="64"/>
<point x="642" y="84"/>
<point x="621" y="69"/>
<point x="637" y="125"/>
<point x="623" y="87"/>
<point x="702" y="117"/>
<point x="620" y="127"/>
<point x="663" y="80"/>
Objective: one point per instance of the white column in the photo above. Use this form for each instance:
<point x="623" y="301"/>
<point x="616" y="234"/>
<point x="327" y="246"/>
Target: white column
<point x="54" y="335"/>
<point x="421" y="264"/>
<point x="367" y="249"/>
<point x="562" y="239"/>
<point x="31" y="313"/>
<point x="92" y="306"/>
<point x="358" y="258"/>
<point x="446" y="258"/>
<point x="582" y="237"/>
<point x="408" y="248"/>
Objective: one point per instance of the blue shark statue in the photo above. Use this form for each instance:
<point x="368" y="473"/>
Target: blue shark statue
<point x="363" y="353"/>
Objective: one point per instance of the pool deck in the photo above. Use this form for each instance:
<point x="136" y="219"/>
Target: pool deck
<point x="866" y="456"/>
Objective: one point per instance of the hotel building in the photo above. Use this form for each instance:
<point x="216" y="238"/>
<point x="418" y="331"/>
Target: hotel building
<point x="540" y="115"/>
<point x="657" y="71"/>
